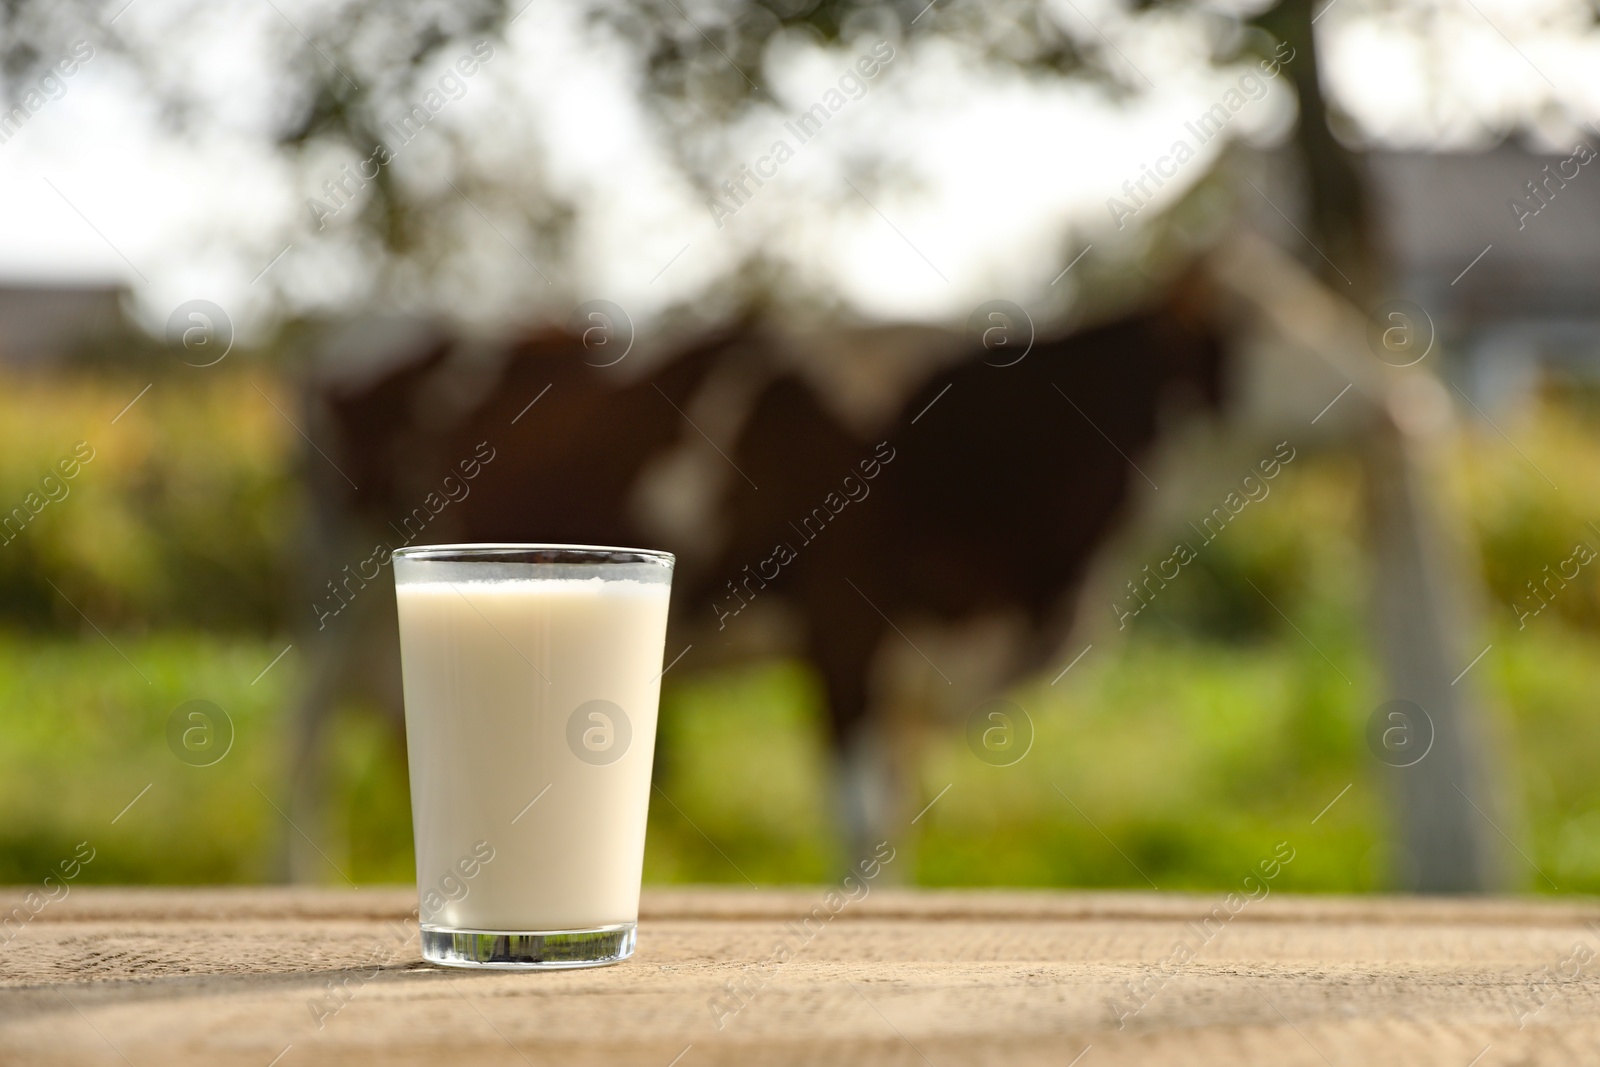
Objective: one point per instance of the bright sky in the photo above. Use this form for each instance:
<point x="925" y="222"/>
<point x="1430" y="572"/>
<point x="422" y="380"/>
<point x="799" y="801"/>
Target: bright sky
<point x="970" y="181"/>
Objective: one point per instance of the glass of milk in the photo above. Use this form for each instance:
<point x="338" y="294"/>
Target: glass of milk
<point x="531" y="675"/>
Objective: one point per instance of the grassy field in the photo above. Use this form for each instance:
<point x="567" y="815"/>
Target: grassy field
<point x="1181" y="755"/>
<point x="1183" y="763"/>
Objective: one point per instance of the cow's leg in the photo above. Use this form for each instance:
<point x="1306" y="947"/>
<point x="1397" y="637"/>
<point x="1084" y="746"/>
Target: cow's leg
<point x="330" y="653"/>
<point x="866" y="789"/>
<point x="864" y="792"/>
<point x="356" y="654"/>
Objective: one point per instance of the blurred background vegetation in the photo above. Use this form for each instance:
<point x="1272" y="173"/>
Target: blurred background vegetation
<point x="1215" y="731"/>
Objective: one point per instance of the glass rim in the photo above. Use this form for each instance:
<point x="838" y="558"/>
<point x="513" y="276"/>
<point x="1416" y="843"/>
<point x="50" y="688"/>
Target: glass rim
<point x="572" y="555"/>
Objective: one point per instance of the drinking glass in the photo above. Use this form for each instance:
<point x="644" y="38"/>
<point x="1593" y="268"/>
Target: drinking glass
<point x="532" y="674"/>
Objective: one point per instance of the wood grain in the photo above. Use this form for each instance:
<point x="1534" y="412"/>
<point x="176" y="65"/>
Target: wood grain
<point x="230" y="976"/>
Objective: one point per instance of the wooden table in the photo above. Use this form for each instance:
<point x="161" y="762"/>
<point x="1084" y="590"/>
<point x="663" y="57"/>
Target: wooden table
<point x="248" y="977"/>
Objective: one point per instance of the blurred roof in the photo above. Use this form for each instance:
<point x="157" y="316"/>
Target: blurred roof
<point x="1440" y="212"/>
<point x="43" y="323"/>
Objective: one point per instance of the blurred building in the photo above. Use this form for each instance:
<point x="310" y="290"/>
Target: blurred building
<point x="43" y="324"/>
<point x="1503" y="249"/>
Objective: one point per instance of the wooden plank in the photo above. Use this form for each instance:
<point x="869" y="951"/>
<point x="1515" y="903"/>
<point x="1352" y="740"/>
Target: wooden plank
<point x="163" y="976"/>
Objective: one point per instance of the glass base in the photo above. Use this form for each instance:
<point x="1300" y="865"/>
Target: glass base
<point x="529" y="949"/>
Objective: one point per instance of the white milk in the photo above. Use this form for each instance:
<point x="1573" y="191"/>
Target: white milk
<point x="494" y="671"/>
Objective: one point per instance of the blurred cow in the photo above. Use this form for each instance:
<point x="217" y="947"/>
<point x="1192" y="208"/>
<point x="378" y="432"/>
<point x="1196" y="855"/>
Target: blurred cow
<point x="923" y="480"/>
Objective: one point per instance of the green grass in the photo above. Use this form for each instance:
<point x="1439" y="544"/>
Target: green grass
<point x="85" y="733"/>
<point x="1185" y="763"/>
<point x="742" y="781"/>
<point x="1180" y="764"/>
<point x="86" y="729"/>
